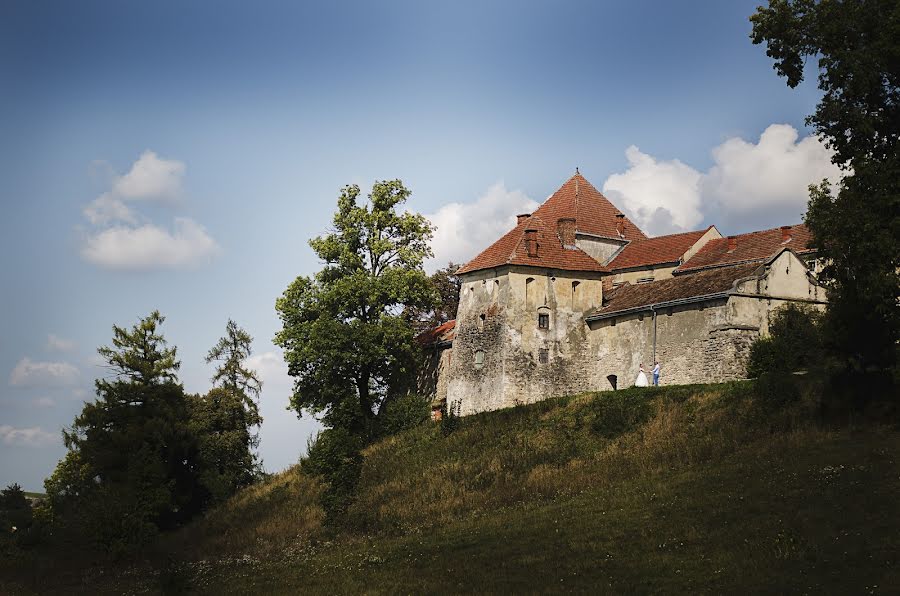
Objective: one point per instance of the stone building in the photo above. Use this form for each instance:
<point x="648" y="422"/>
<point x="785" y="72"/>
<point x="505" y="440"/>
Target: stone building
<point x="576" y="297"/>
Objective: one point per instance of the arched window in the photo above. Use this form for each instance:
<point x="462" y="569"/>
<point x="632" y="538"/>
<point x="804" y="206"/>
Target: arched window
<point x="479" y="358"/>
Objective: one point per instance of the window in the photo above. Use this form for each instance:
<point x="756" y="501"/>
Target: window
<point x="543" y="355"/>
<point x="543" y="321"/>
<point x="645" y="280"/>
<point x="479" y="358"/>
<point x="481" y="318"/>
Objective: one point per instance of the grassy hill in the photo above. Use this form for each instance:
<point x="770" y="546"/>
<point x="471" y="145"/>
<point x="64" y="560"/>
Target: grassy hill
<point x="694" y="488"/>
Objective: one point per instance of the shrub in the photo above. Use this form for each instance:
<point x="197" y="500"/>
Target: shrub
<point x="403" y="413"/>
<point x="334" y="454"/>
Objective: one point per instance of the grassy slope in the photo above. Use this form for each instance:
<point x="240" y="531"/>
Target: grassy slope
<point x="676" y="489"/>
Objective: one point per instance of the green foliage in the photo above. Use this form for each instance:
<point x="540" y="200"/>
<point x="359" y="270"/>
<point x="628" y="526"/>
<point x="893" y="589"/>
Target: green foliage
<point x="450" y="418"/>
<point x="335" y="456"/>
<point x="16" y="517"/>
<point x="130" y="470"/>
<point x="404" y="413"/>
<point x="224" y="421"/>
<point x="794" y="344"/>
<point x="346" y="341"/>
<point x="857" y="232"/>
<point x="447" y="286"/>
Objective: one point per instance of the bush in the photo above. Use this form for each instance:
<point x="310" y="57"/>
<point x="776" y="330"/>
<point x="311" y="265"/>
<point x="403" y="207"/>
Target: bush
<point x="794" y="345"/>
<point x="334" y="454"/>
<point x="404" y="413"/>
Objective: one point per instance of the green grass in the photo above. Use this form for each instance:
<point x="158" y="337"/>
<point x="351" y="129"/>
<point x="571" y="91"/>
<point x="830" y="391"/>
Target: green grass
<point x="681" y="489"/>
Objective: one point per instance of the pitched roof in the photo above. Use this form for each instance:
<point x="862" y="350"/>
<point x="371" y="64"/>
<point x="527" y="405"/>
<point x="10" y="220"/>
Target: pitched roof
<point x="593" y="212"/>
<point x="438" y="335"/>
<point x="576" y="199"/>
<point x="653" y="251"/>
<point x="510" y="249"/>
<point x="683" y="288"/>
<point x="754" y="246"/>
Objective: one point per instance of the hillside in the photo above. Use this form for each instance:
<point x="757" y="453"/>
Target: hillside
<point x="694" y="488"/>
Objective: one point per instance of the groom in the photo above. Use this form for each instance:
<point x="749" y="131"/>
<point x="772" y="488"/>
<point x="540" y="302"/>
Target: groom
<point x="656" y="374"/>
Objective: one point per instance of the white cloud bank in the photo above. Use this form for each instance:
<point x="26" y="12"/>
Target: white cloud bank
<point x="150" y="247"/>
<point x="34" y="436"/>
<point x="752" y="183"/>
<point x="464" y="229"/>
<point x="125" y="240"/>
<point x="29" y="373"/>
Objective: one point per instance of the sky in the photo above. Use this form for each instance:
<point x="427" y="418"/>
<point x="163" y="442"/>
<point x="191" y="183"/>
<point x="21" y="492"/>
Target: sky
<point x="179" y="156"/>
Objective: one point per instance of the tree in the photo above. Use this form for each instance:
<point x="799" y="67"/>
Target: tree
<point x="130" y="470"/>
<point x="15" y="510"/>
<point x="447" y="286"/>
<point x="346" y="341"/>
<point x="224" y="420"/>
<point x="856" y="231"/>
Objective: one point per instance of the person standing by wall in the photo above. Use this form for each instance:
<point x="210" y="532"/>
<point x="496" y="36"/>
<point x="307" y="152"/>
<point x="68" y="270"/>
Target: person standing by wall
<point x="656" y="369"/>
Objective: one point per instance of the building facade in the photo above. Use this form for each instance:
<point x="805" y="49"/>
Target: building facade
<point x="576" y="297"/>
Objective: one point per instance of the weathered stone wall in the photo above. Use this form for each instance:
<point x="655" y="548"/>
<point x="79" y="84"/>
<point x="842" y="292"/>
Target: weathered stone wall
<point x="433" y="375"/>
<point x="695" y="343"/>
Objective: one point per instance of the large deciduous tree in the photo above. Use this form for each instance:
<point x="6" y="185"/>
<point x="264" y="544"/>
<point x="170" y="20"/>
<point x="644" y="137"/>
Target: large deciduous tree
<point x="856" y="230"/>
<point x="345" y="339"/>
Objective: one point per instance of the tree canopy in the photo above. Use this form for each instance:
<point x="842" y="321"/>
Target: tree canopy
<point x="346" y="341"/>
<point x="857" y="230"/>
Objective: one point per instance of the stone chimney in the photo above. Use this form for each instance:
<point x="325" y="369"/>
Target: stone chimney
<point x="531" y="243"/>
<point x="522" y="217"/>
<point x="565" y="229"/>
<point x="620" y="224"/>
<point x="732" y="243"/>
<point x="785" y="234"/>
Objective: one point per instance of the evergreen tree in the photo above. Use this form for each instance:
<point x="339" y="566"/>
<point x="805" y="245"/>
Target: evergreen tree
<point x="131" y="467"/>
<point x="224" y="420"/>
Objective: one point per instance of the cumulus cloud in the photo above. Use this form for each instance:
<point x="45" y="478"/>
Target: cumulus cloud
<point x="660" y="196"/>
<point x="34" y="436"/>
<point x="463" y="229"/>
<point x="776" y="171"/>
<point x="29" y="373"/>
<point x="44" y="402"/>
<point x="125" y="240"/>
<point x="150" y="246"/>
<point x="59" y="344"/>
<point x="750" y="184"/>
<point x="151" y="177"/>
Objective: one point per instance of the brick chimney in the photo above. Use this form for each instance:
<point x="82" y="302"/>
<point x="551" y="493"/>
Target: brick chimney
<point x="531" y="243"/>
<point x="620" y="224"/>
<point x="565" y="229"/>
<point x="522" y="217"/>
<point x="785" y="234"/>
<point x="732" y="243"/>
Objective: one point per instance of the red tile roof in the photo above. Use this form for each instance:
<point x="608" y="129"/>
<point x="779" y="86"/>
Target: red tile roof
<point x="576" y="199"/>
<point x="752" y="247"/>
<point x="703" y="283"/>
<point x="511" y="250"/>
<point x="440" y="334"/>
<point x="654" y="251"/>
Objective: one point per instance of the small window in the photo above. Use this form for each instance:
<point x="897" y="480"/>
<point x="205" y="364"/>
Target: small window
<point x="645" y="280"/>
<point x="543" y="355"/>
<point x="481" y="318"/>
<point x="544" y="321"/>
<point x="479" y="358"/>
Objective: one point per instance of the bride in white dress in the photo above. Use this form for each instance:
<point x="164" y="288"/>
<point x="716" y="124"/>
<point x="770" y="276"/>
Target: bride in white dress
<point x="641" y="378"/>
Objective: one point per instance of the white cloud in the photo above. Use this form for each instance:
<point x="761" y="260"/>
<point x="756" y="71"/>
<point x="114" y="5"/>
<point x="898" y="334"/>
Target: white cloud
<point x="464" y="229"/>
<point x="150" y="247"/>
<point x="660" y="196"/>
<point x="107" y="208"/>
<point x="44" y="402"/>
<point x="29" y="373"/>
<point x="59" y="344"/>
<point x="774" y="172"/>
<point x="151" y="177"/>
<point x="34" y="436"/>
<point x="750" y="184"/>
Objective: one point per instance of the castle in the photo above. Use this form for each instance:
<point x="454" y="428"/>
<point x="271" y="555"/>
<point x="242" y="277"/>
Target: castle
<point x="576" y="297"/>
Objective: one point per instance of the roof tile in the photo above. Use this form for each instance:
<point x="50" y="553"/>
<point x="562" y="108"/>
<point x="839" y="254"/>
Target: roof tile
<point x="750" y="247"/>
<point x="655" y="251"/>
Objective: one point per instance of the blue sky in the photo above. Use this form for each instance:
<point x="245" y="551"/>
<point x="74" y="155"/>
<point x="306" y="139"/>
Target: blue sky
<point x="179" y="155"/>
